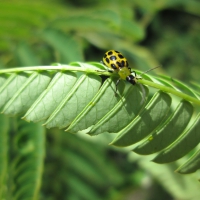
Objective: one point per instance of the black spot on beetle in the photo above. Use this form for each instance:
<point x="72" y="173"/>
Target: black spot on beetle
<point x="114" y="66"/>
<point x="122" y="63"/>
<point x="120" y="55"/>
<point x="119" y="64"/>
<point x="117" y="51"/>
<point x="110" y="53"/>
<point x="107" y="60"/>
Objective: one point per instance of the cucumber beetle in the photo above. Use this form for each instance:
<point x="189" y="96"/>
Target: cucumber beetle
<point x="116" y="62"/>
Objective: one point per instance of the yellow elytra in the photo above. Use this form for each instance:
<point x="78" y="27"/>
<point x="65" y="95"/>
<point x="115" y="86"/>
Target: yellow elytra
<point x="115" y="61"/>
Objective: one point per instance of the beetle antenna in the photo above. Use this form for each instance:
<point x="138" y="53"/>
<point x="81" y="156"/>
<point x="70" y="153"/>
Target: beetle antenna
<point x="150" y="70"/>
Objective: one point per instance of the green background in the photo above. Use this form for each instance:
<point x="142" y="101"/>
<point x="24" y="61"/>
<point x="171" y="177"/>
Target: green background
<point x="149" y="33"/>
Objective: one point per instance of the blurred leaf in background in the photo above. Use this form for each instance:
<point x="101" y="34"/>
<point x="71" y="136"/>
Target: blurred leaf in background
<point x="149" y="33"/>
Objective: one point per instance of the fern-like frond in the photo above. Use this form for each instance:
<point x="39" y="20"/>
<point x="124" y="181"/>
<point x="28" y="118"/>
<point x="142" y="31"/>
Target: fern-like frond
<point x="74" y="97"/>
<point x="29" y="147"/>
<point x="4" y="127"/>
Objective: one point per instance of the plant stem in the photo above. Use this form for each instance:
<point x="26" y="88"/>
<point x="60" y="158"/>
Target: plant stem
<point x="100" y="72"/>
<point x="59" y="68"/>
<point x="170" y="90"/>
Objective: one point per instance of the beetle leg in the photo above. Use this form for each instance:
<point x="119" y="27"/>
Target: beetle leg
<point x="116" y="84"/>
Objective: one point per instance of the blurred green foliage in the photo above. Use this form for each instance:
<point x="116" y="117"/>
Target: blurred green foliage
<point x="148" y="33"/>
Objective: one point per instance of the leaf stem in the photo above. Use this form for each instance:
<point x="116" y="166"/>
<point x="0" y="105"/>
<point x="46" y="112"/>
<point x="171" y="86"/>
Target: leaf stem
<point x="170" y="90"/>
<point x="100" y="72"/>
<point x="59" y="67"/>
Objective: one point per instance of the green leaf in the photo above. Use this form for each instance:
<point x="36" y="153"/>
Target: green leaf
<point x="97" y="107"/>
<point x="52" y="96"/>
<point x="100" y="168"/>
<point x="132" y="29"/>
<point x="25" y="55"/>
<point x="3" y="78"/>
<point x="11" y="86"/>
<point x="61" y="42"/>
<point x="73" y="103"/>
<point x="146" y="122"/>
<point x="85" y="191"/>
<point x="125" y="109"/>
<point x="192" y="165"/>
<point x="27" y="94"/>
<point x="4" y="127"/>
<point x="186" y="89"/>
<point x="169" y="131"/>
<point x="28" y="163"/>
<point x="187" y="141"/>
<point x="180" y="187"/>
<point x="74" y="97"/>
<point x="85" y="23"/>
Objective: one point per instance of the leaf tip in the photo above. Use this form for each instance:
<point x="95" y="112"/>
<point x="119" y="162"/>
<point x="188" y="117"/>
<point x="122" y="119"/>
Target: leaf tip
<point x="44" y="124"/>
<point x="25" y="119"/>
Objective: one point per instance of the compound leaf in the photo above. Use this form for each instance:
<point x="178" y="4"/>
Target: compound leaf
<point x="81" y="98"/>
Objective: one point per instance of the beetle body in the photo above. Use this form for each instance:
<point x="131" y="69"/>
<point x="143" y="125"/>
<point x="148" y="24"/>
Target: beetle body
<point x="115" y="61"/>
